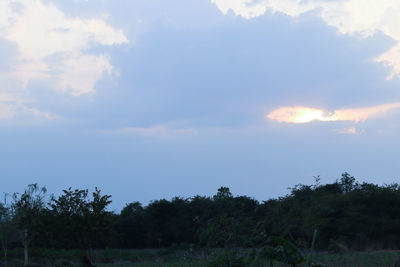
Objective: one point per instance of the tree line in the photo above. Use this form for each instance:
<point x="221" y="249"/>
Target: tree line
<point x="347" y="214"/>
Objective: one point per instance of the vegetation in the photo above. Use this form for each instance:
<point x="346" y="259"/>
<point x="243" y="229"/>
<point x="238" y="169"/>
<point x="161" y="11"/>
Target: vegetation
<point x="313" y="223"/>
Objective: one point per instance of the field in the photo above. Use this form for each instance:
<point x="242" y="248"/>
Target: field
<point x="177" y="258"/>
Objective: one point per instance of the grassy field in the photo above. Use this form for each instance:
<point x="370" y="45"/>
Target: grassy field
<point x="178" y="258"/>
<point x="355" y="259"/>
<point x="359" y="259"/>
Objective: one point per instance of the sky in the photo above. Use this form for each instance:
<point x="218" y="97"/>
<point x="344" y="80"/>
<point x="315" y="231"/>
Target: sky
<point x="151" y="99"/>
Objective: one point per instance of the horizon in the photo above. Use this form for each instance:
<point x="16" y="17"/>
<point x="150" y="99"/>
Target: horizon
<point x="289" y="191"/>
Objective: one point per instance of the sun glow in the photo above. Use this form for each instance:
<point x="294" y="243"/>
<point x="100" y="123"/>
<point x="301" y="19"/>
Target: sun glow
<point x="299" y="115"/>
<point x="305" y="114"/>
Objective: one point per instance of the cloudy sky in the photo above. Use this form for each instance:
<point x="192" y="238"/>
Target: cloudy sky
<point x="152" y="98"/>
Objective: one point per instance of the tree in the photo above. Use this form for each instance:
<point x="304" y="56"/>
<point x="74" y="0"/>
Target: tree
<point x="85" y="222"/>
<point x="6" y="225"/>
<point x="223" y="193"/>
<point x="29" y="207"/>
<point x="221" y="231"/>
<point x="348" y="183"/>
<point x="131" y="226"/>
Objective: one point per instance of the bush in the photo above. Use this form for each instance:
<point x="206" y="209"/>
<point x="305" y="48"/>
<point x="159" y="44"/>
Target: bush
<point x="226" y="258"/>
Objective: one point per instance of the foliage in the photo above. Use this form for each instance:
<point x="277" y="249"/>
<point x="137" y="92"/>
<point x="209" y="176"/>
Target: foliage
<point x="28" y="208"/>
<point x="7" y="228"/>
<point x="282" y="250"/>
<point x="84" y="222"/>
<point x="342" y="211"/>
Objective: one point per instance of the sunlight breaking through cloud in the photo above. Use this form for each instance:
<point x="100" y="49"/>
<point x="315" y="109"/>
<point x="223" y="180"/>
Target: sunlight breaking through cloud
<point x="305" y="114"/>
<point x="300" y="115"/>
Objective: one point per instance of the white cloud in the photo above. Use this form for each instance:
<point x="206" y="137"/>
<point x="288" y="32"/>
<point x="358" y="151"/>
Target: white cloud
<point x="42" y="30"/>
<point x="254" y="8"/>
<point x="245" y="8"/>
<point x="364" y="17"/>
<point x="51" y="48"/>
<point x="10" y="111"/>
<point x="81" y="73"/>
<point x="11" y="106"/>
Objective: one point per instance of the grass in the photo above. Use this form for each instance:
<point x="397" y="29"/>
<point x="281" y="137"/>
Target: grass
<point x="353" y="259"/>
<point x="176" y="263"/>
<point x="361" y="259"/>
<point x="183" y="258"/>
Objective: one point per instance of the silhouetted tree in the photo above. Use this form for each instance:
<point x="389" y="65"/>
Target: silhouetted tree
<point x="80" y="221"/>
<point x="7" y="228"/>
<point x="29" y="207"/>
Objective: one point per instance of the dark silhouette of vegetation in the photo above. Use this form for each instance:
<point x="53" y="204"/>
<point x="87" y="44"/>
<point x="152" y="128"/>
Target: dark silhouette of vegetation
<point x="29" y="211"/>
<point x="348" y="215"/>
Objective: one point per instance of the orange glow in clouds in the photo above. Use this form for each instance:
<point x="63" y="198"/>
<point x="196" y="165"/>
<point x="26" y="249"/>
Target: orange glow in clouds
<point x="305" y="114"/>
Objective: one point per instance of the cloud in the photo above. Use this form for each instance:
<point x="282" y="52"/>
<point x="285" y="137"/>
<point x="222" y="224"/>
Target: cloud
<point x="80" y="74"/>
<point x="43" y="45"/>
<point x="234" y="73"/>
<point x="53" y="47"/>
<point x="305" y="115"/>
<point x="352" y="131"/>
<point x="11" y="106"/>
<point x="7" y="112"/>
<point x="42" y="30"/>
<point x="299" y="115"/>
<point x="10" y="111"/>
<point x="364" y="17"/>
<point x="254" y="8"/>
<point x="362" y="114"/>
<point x="245" y="8"/>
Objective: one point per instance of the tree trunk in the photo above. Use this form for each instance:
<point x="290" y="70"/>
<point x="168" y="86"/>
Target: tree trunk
<point x="4" y="245"/>
<point x="86" y="260"/>
<point x="5" y="255"/>
<point x="25" y="243"/>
